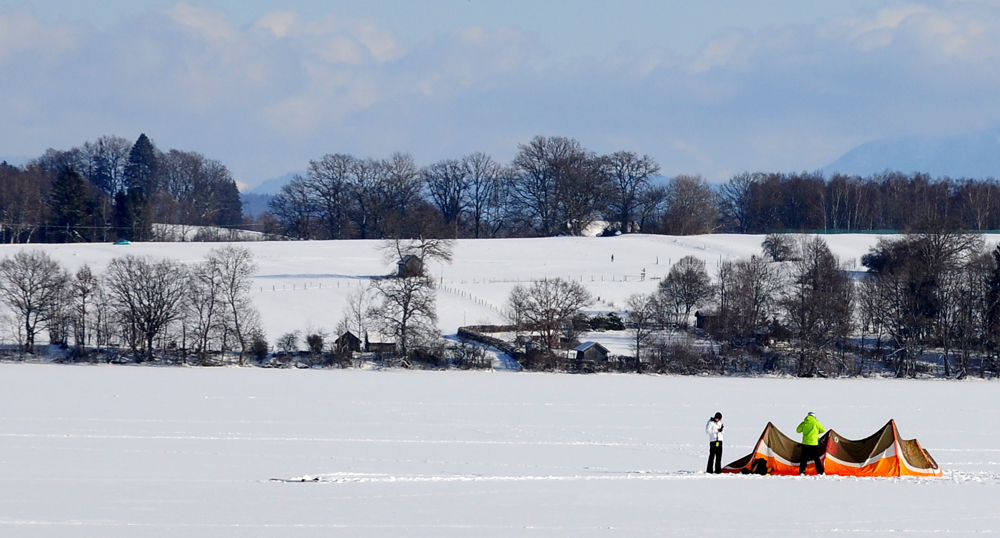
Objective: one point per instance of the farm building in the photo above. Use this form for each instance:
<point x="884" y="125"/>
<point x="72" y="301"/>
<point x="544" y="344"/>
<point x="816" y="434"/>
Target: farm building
<point x="591" y="352"/>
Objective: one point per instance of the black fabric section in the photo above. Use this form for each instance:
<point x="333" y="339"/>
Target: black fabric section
<point x="811" y="453"/>
<point x="714" y="457"/>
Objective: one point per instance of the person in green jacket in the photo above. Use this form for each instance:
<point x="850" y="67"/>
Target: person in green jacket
<point x="810" y="429"/>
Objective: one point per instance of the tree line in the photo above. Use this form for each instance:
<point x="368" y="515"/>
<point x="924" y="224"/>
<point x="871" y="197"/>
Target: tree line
<point x="553" y="186"/>
<point x="140" y="309"/>
<point x="928" y="303"/>
<point x="111" y="189"/>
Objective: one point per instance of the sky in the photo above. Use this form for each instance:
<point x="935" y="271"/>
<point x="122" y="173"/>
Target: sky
<point x="712" y="88"/>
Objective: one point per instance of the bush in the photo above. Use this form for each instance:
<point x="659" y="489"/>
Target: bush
<point x="598" y="323"/>
<point x="258" y="346"/>
<point x="615" y="322"/>
<point x="288" y="343"/>
<point x="779" y="247"/>
<point x="315" y="344"/>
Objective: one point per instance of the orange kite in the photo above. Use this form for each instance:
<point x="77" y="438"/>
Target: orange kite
<point x="881" y="454"/>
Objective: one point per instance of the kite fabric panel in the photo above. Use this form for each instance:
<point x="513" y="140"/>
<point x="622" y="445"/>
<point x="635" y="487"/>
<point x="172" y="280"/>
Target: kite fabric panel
<point x="882" y="454"/>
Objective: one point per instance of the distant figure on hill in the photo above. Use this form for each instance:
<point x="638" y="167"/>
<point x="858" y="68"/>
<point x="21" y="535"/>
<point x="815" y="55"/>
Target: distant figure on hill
<point x="810" y="429"/>
<point x="714" y="431"/>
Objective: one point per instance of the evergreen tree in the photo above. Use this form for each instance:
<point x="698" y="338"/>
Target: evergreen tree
<point x="230" y="205"/>
<point x="132" y="216"/>
<point x="70" y="207"/>
<point x="142" y="167"/>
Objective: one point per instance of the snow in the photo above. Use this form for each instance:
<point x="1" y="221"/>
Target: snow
<point x="303" y="285"/>
<point x="166" y="451"/>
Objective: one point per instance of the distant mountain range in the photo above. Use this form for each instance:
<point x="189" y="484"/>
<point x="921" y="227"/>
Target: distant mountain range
<point x="273" y="186"/>
<point x="970" y="156"/>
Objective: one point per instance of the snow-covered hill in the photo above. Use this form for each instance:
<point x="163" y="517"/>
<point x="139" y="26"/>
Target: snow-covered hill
<point x="303" y="285"/>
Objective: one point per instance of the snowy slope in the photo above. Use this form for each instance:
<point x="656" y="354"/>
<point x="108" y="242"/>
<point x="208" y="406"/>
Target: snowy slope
<point x="117" y="451"/>
<point x="302" y="285"/>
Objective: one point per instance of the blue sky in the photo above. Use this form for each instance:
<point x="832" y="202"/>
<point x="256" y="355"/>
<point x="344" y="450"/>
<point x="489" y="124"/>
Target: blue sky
<point x="714" y="88"/>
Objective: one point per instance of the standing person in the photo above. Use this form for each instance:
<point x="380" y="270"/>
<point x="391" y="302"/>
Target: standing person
<point x="810" y="430"/>
<point x="714" y="431"/>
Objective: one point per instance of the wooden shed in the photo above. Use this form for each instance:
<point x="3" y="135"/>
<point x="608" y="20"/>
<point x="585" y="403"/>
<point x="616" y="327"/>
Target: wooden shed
<point x="409" y="266"/>
<point x="379" y="343"/>
<point x="591" y="352"/>
<point x="347" y="343"/>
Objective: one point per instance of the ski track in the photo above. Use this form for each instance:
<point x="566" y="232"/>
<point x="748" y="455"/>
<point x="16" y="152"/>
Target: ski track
<point x="986" y="478"/>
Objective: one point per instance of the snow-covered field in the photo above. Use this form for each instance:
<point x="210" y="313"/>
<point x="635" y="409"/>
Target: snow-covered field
<point x="158" y="451"/>
<point x="111" y="451"/>
<point x="303" y="285"/>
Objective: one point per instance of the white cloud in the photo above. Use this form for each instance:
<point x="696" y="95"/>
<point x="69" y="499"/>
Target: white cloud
<point x="21" y="33"/>
<point x="211" y="24"/>
<point x="267" y="97"/>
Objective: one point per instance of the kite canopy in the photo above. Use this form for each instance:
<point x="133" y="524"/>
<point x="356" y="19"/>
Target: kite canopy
<point x="882" y="454"/>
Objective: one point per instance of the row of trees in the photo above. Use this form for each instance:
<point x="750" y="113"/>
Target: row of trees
<point x="926" y="300"/>
<point x="552" y="187"/>
<point x="930" y="291"/>
<point x="146" y="306"/>
<point x="762" y="203"/>
<point x="113" y="189"/>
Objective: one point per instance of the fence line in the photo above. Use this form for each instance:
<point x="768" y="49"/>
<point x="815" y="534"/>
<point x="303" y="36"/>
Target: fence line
<point x="439" y="282"/>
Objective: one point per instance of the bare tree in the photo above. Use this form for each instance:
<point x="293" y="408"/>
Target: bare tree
<point x="908" y="275"/>
<point x="106" y="159"/>
<point x="735" y="199"/>
<point x="818" y="302"/>
<point x="642" y="314"/>
<point x="31" y="284"/>
<point x="147" y="295"/>
<point x="205" y="310"/>
<point x="558" y="185"/>
<point x="629" y="176"/>
<point x="22" y="202"/>
<point x="357" y="311"/>
<point x="365" y="204"/>
<point x="328" y="181"/>
<point x="691" y="206"/>
<point x="686" y="286"/>
<point x="750" y="298"/>
<point x="398" y="192"/>
<point x="83" y="289"/>
<point x="485" y="193"/>
<point x="296" y="209"/>
<point x="547" y="305"/>
<point x="780" y="247"/>
<point x="423" y="248"/>
<point x="407" y="311"/>
<point x="448" y="184"/>
<point x="235" y="268"/>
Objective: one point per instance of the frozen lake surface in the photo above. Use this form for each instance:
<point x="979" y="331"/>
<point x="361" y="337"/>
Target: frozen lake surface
<point x="143" y="451"/>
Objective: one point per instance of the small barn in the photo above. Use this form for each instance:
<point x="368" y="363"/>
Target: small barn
<point x="409" y="266"/>
<point x="379" y="343"/>
<point x="706" y="322"/>
<point x="347" y="343"/>
<point x="591" y="352"/>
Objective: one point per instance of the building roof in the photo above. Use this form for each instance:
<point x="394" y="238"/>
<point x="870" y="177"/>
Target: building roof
<point x="587" y="345"/>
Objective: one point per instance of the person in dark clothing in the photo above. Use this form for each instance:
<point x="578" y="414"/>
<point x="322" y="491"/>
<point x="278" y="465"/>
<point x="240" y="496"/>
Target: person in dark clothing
<point x="811" y="429"/>
<point x="714" y="431"/>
